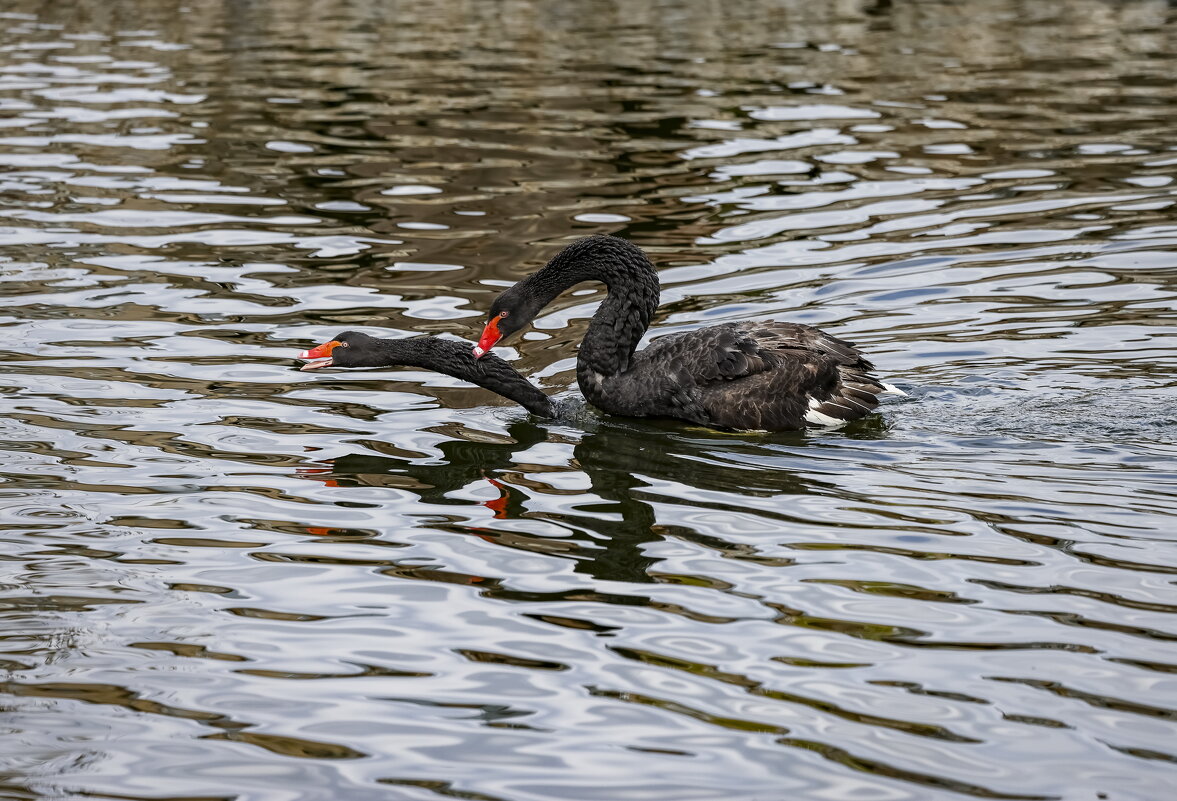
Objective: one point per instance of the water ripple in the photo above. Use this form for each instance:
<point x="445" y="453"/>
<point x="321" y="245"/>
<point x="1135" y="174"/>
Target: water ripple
<point x="229" y="579"/>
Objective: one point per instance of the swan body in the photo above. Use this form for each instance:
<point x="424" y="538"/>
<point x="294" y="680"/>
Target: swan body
<point x="766" y="376"/>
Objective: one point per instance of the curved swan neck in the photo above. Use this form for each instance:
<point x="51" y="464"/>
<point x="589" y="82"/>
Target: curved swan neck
<point x="623" y="316"/>
<point x="454" y="359"/>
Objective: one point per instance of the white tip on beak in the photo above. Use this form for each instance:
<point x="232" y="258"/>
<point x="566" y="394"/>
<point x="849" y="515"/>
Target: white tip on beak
<point x="478" y="352"/>
<point x="306" y="354"/>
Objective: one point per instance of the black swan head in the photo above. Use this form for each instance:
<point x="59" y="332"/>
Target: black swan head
<point x="618" y="263"/>
<point x="356" y="349"/>
<point x="349" y="349"/>
<point x="512" y="310"/>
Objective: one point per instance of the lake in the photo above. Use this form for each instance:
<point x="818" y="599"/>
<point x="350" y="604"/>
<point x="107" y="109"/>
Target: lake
<point x="224" y="578"/>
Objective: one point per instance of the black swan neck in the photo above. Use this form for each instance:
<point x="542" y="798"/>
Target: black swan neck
<point x="455" y="359"/>
<point x="626" y="312"/>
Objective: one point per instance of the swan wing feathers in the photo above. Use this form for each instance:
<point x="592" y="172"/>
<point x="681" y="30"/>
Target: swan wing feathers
<point x="770" y="375"/>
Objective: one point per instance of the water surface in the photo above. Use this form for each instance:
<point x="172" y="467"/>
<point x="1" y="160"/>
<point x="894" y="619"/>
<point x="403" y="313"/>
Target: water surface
<point x="224" y="578"/>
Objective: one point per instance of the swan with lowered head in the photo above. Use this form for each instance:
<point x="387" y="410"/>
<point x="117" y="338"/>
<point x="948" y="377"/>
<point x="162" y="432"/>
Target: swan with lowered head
<point x="355" y="349"/>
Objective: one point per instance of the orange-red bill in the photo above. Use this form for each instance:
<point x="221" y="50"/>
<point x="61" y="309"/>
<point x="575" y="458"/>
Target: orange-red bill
<point x="490" y="335"/>
<point x="318" y="356"/>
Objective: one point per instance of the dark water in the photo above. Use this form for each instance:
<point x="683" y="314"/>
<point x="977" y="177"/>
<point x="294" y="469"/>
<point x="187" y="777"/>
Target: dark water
<point x="222" y="578"/>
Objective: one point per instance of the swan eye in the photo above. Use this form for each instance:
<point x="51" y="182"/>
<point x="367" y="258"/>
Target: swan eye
<point x="344" y="345"/>
<point x="503" y="314"/>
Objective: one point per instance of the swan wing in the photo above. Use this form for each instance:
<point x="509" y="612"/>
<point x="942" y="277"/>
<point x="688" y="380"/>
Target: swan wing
<point x="769" y="375"/>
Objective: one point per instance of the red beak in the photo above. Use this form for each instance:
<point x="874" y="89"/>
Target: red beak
<point x="490" y="335"/>
<point x="321" y="352"/>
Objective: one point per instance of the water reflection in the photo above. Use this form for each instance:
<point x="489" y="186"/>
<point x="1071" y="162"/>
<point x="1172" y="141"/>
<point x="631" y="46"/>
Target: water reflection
<point x="605" y="535"/>
<point x="229" y="579"/>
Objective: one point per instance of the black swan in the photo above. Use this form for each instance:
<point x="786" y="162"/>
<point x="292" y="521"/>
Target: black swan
<point x="757" y="376"/>
<point x="354" y="349"/>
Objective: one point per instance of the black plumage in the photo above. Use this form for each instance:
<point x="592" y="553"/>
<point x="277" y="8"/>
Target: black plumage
<point x="356" y="349"/>
<point x="771" y="376"/>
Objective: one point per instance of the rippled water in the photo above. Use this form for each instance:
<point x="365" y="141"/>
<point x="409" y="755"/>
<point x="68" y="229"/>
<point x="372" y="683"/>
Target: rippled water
<point x="223" y="578"/>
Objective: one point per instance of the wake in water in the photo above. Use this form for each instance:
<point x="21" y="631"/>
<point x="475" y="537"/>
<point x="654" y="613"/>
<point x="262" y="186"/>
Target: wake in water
<point x="1101" y="412"/>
